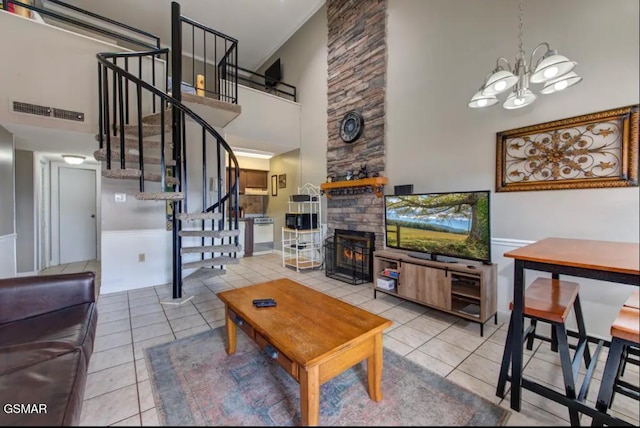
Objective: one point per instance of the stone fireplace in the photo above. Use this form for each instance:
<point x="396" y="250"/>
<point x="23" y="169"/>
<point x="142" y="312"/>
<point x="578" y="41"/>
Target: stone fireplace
<point x="349" y="256"/>
<point x="357" y="63"/>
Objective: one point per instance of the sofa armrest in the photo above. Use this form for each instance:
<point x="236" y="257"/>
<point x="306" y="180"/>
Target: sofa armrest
<point x="29" y="296"/>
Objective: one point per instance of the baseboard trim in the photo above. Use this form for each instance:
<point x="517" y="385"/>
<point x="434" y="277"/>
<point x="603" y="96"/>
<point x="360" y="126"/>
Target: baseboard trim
<point x="33" y="273"/>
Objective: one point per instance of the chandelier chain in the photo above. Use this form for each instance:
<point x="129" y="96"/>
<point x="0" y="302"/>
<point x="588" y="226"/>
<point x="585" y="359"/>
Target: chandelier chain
<point x="521" y="16"/>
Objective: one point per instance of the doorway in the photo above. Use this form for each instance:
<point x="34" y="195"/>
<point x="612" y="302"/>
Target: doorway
<point x="74" y="231"/>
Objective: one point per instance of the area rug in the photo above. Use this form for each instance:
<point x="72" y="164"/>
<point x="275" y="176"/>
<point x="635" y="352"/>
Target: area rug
<point x="194" y="382"/>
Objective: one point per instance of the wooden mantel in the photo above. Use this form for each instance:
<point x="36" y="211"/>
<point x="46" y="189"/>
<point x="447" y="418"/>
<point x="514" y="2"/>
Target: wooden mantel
<point x="376" y="183"/>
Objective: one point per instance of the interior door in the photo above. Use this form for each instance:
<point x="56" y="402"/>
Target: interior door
<point x="77" y="193"/>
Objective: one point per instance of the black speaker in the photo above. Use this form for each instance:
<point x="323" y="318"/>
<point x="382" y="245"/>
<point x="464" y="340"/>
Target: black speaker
<point x="405" y="189"/>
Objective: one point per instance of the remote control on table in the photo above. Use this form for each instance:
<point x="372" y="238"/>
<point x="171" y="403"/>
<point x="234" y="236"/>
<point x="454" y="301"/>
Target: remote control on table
<point x="265" y="304"/>
<point x="263" y="300"/>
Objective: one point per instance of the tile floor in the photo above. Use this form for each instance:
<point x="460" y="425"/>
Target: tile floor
<point x="118" y="391"/>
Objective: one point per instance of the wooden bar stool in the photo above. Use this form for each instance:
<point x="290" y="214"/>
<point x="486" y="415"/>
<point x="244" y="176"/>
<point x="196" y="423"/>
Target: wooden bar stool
<point x="551" y="300"/>
<point x="625" y="333"/>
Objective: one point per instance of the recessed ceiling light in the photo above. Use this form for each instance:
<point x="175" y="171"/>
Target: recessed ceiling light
<point x="73" y="159"/>
<point x="250" y="153"/>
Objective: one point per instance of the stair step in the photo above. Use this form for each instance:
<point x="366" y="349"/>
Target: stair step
<point x="130" y="173"/>
<point x="197" y="276"/>
<point x="101" y="155"/>
<point x="198" y="216"/>
<point x="132" y="142"/>
<point x="210" y="233"/>
<point x="154" y="119"/>
<point x="213" y="103"/>
<point x="147" y="130"/>
<point x="160" y="196"/>
<point x="214" y="261"/>
<point x="229" y="248"/>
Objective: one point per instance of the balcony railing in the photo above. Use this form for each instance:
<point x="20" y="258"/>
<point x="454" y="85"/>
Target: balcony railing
<point x="263" y="83"/>
<point x="132" y="37"/>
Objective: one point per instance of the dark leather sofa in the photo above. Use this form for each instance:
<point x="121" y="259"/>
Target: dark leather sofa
<point x="47" y="331"/>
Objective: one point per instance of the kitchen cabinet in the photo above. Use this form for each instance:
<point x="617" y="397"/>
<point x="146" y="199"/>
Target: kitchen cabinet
<point x="251" y="178"/>
<point x="255" y="178"/>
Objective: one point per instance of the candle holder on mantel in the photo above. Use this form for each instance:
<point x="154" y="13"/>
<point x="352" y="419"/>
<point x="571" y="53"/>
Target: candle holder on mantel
<point x="352" y="187"/>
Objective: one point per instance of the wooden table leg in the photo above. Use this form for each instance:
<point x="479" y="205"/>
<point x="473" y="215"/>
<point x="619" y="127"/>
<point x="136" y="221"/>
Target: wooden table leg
<point x="231" y="334"/>
<point x="374" y="369"/>
<point x="310" y="396"/>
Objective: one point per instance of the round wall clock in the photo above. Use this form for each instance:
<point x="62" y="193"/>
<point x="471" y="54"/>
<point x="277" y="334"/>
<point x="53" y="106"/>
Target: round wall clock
<point x="351" y="126"/>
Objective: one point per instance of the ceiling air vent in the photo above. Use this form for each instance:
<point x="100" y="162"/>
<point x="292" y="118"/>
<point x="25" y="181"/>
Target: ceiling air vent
<point x="38" y="110"/>
<point x="31" y="109"/>
<point x="68" y="115"/>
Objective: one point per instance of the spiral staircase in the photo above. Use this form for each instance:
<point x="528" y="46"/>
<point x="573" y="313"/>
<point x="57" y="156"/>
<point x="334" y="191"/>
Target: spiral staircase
<point x="149" y="135"/>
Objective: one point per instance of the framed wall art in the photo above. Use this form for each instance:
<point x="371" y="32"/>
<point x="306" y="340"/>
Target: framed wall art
<point x="274" y="185"/>
<point x="282" y="181"/>
<point x="589" y="151"/>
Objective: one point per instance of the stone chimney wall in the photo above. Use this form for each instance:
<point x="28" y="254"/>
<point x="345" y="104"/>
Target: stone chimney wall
<point x="357" y="67"/>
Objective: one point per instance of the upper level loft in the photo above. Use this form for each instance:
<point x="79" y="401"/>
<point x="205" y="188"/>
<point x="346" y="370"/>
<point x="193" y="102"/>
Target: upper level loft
<point x="52" y="61"/>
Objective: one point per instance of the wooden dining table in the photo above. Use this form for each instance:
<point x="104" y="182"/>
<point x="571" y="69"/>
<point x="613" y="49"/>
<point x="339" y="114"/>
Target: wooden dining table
<point x="615" y="262"/>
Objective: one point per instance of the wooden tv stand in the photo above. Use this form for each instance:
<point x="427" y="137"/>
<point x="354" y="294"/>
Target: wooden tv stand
<point x="465" y="289"/>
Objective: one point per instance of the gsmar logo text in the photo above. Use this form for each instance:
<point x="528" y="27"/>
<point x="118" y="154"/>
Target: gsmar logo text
<point x="25" y="408"/>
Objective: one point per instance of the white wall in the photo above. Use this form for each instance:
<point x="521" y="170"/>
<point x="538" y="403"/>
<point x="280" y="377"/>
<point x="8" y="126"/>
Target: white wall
<point x="7" y="209"/>
<point x="122" y="270"/>
<point x="439" y="53"/>
<point x="304" y="65"/>
<point x="8" y="260"/>
<point x="50" y="66"/>
<point x="267" y="122"/>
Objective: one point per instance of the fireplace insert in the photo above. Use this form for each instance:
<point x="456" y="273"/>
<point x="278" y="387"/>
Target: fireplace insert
<point x="349" y="256"/>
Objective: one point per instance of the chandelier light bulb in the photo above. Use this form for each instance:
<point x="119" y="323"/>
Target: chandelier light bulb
<point x="551" y="66"/>
<point x="563" y="82"/>
<point x="479" y="100"/>
<point x="519" y="99"/>
<point x="498" y="82"/>
<point x="560" y="85"/>
<point x="500" y="86"/>
<point x="551" y="72"/>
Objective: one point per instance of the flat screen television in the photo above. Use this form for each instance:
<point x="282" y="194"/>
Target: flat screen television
<point x="453" y="224"/>
<point x="273" y="74"/>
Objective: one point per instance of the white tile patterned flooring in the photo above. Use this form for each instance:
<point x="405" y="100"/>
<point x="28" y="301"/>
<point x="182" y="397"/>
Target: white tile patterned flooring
<point x="118" y="391"/>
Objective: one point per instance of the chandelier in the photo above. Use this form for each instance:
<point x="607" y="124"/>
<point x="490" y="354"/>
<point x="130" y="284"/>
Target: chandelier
<point x="551" y="69"/>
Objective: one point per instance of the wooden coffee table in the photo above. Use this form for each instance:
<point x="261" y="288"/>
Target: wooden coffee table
<point x="314" y="337"/>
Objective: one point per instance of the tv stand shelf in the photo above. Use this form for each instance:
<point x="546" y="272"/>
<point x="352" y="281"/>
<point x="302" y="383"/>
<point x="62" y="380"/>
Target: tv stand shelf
<point x="467" y="290"/>
<point x="376" y="183"/>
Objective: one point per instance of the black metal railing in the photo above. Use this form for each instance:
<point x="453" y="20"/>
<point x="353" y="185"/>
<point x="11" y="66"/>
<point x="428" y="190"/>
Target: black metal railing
<point x="138" y="39"/>
<point x="143" y="96"/>
<point x="263" y="83"/>
<point x="213" y="60"/>
<point x="128" y="94"/>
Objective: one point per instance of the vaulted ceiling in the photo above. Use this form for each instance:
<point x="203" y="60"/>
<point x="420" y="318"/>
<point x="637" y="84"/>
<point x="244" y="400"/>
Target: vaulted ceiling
<point x="260" y="26"/>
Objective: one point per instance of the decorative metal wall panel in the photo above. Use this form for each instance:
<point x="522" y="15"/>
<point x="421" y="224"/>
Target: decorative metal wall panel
<point x="594" y="150"/>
